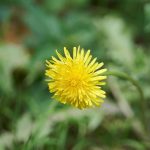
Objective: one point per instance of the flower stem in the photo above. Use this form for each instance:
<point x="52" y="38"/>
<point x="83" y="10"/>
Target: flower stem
<point x="142" y="103"/>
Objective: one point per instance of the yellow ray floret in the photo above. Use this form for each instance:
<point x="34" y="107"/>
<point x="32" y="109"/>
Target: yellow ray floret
<point x="76" y="79"/>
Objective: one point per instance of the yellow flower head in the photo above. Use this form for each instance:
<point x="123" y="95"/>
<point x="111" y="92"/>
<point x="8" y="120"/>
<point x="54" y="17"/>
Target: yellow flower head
<point x="76" y="79"/>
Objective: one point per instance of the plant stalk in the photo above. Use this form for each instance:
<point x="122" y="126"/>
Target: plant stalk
<point x="142" y="103"/>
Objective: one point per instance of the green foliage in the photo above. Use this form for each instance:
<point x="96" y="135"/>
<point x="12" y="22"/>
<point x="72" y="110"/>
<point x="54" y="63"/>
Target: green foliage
<point x="116" y="31"/>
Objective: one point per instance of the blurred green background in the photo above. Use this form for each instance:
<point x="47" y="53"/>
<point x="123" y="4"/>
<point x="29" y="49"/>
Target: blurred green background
<point x="116" y="31"/>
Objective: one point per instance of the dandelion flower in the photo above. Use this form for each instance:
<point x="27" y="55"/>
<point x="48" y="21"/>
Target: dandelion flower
<point x="76" y="79"/>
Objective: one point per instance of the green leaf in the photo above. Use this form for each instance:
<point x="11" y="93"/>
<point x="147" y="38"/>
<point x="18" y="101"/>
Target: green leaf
<point x="11" y="57"/>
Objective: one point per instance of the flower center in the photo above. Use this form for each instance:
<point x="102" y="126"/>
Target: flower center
<point x="74" y="83"/>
